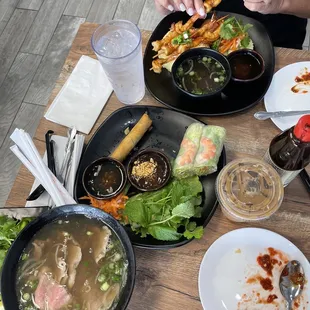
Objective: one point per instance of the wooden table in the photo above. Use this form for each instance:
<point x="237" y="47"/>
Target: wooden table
<point x="167" y="280"/>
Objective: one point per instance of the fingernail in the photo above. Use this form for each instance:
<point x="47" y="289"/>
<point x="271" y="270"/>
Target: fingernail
<point x="202" y="12"/>
<point x="190" y="12"/>
<point x="170" y="8"/>
<point x="182" y="7"/>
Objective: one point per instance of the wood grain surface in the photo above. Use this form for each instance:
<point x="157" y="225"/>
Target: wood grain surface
<point x="12" y="38"/>
<point x="43" y="27"/>
<point x="53" y="60"/>
<point x="168" y="279"/>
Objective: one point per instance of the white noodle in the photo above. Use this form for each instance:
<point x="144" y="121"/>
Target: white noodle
<point x="33" y="301"/>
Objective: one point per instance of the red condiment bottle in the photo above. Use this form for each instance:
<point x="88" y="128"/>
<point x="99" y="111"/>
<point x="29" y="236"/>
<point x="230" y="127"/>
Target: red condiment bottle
<point x="289" y="152"/>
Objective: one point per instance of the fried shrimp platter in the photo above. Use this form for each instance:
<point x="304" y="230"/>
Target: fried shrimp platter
<point x="224" y="34"/>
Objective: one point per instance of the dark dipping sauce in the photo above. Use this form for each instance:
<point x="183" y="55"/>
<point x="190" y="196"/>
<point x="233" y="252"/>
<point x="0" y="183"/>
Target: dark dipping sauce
<point x="245" y="66"/>
<point x="149" y="171"/>
<point x="201" y="75"/>
<point x="105" y="179"/>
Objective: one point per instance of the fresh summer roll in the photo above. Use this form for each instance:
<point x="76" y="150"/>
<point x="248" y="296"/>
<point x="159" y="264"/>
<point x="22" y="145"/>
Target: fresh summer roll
<point x="183" y="165"/>
<point x="210" y="149"/>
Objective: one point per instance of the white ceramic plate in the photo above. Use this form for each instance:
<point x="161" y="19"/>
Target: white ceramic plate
<point x="279" y="96"/>
<point x="232" y="259"/>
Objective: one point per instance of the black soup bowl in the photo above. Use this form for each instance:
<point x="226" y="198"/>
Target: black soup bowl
<point x="9" y="270"/>
<point x="202" y="53"/>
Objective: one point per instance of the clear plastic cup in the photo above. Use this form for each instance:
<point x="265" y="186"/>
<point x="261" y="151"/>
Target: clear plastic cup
<point x="118" y="46"/>
<point x="249" y="190"/>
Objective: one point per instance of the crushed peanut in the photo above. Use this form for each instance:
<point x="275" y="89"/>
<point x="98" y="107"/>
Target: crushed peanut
<point x="144" y="169"/>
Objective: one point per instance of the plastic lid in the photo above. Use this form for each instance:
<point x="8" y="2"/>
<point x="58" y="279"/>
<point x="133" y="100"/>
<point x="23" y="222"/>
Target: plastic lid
<point x="249" y="190"/>
<point x="302" y="129"/>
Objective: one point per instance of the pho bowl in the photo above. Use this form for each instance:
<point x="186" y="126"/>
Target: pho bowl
<point x="201" y="73"/>
<point x="28" y="276"/>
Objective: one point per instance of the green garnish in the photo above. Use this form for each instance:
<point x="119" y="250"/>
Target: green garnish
<point x="183" y="38"/>
<point x="232" y="28"/>
<point x="105" y="286"/>
<point x="9" y="229"/>
<point x="163" y="214"/>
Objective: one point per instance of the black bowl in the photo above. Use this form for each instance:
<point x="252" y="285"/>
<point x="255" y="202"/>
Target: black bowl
<point x="88" y="173"/>
<point x="163" y="161"/>
<point x="254" y="54"/>
<point x="9" y="269"/>
<point x="204" y="52"/>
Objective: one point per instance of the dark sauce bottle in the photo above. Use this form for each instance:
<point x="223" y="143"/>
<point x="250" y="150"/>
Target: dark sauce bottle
<point x="289" y="152"/>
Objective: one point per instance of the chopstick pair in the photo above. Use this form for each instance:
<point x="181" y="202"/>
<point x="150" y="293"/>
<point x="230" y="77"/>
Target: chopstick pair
<point x="50" y="163"/>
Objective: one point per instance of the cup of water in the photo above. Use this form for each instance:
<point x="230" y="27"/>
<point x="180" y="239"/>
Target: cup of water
<point x="118" y="46"/>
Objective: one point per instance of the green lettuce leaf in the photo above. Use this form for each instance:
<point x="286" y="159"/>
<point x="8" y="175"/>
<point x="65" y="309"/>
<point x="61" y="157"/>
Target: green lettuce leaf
<point x="165" y="233"/>
<point x="168" y="208"/>
<point x="193" y="231"/>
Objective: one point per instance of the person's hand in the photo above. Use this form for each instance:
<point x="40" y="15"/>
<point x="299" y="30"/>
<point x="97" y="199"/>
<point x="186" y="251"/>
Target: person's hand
<point x="264" y="6"/>
<point x="190" y="6"/>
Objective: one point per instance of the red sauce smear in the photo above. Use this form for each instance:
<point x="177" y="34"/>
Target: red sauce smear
<point x="303" y="79"/>
<point x="265" y="262"/>
<point x="266" y="284"/>
<point x="298" y="279"/>
<point x="271" y="298"/>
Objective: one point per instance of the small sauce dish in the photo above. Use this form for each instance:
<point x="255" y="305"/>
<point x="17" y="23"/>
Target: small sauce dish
<point x="104" y="178"/>
<point x="149" y="170"/>
<point x="246" y="65"/>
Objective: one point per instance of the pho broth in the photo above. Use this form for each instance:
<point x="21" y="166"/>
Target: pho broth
<point x="72" y="264"/>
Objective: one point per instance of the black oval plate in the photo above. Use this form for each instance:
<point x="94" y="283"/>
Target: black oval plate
<point x="166" y="135"/>
<point x="9" y="270"/>
<point x="235" y="99"/>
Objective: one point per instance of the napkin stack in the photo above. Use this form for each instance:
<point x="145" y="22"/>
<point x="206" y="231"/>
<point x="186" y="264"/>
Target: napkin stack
<point x="82" y="98"/>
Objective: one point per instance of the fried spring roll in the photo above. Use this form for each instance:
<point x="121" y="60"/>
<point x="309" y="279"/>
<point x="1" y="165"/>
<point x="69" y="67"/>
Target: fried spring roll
<point x="210" y="149"/>
<point x="184" y="163"/>
<point x="134" y="136"/>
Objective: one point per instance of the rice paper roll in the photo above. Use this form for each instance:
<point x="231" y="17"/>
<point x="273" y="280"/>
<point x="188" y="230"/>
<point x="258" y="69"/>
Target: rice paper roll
<point x="184" y="163"/>
<point x="210" y="149"/>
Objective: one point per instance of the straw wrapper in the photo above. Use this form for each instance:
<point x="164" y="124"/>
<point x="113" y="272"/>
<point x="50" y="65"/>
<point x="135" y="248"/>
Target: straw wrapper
<point x="26" y="151"/>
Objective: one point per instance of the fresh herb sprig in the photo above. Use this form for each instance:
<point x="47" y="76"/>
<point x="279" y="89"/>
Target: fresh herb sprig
<point x="232" y="28"/>
<point x="166" y="214"/>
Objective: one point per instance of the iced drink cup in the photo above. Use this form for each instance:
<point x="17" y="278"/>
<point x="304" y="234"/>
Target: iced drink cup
<point x="118" y="47"/>
<point x="249" y="190"/>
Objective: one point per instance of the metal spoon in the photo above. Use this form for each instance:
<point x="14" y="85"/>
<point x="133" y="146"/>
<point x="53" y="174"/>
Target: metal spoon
<point x="292" y="281"/>
<point x="262" y="115"/>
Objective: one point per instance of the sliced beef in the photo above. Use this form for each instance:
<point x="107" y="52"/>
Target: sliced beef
<point x="50" y="295"/>
<point x="38" y="246"/>
<point x="100" y="240"/>
<point x="97" y="299"/>
<point x="74" y="256"/>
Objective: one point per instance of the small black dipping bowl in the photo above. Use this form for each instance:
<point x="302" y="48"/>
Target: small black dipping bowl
<point x="89" y="176"/>
<point x="246" y="65"/>
<point x="203" y="52"/>
<point x="162" y="173"/>
<point x="10" y="266"/>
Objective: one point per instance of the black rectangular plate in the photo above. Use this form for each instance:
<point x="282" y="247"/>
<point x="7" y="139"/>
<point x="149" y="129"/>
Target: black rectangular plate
<point x="166" y="135"/>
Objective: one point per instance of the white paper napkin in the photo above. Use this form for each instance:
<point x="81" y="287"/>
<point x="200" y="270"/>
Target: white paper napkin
<point x="82" y="98"/>
<point x="59" y="151"/>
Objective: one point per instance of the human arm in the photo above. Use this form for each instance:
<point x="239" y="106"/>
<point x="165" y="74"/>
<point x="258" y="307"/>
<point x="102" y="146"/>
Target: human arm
<point x="299" y="8"/>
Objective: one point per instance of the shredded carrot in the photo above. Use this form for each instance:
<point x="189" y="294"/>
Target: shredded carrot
<point x="112" y="206"/>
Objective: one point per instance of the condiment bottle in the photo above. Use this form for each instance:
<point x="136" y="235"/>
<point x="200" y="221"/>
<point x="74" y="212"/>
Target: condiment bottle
<point x="289" y="152"/>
